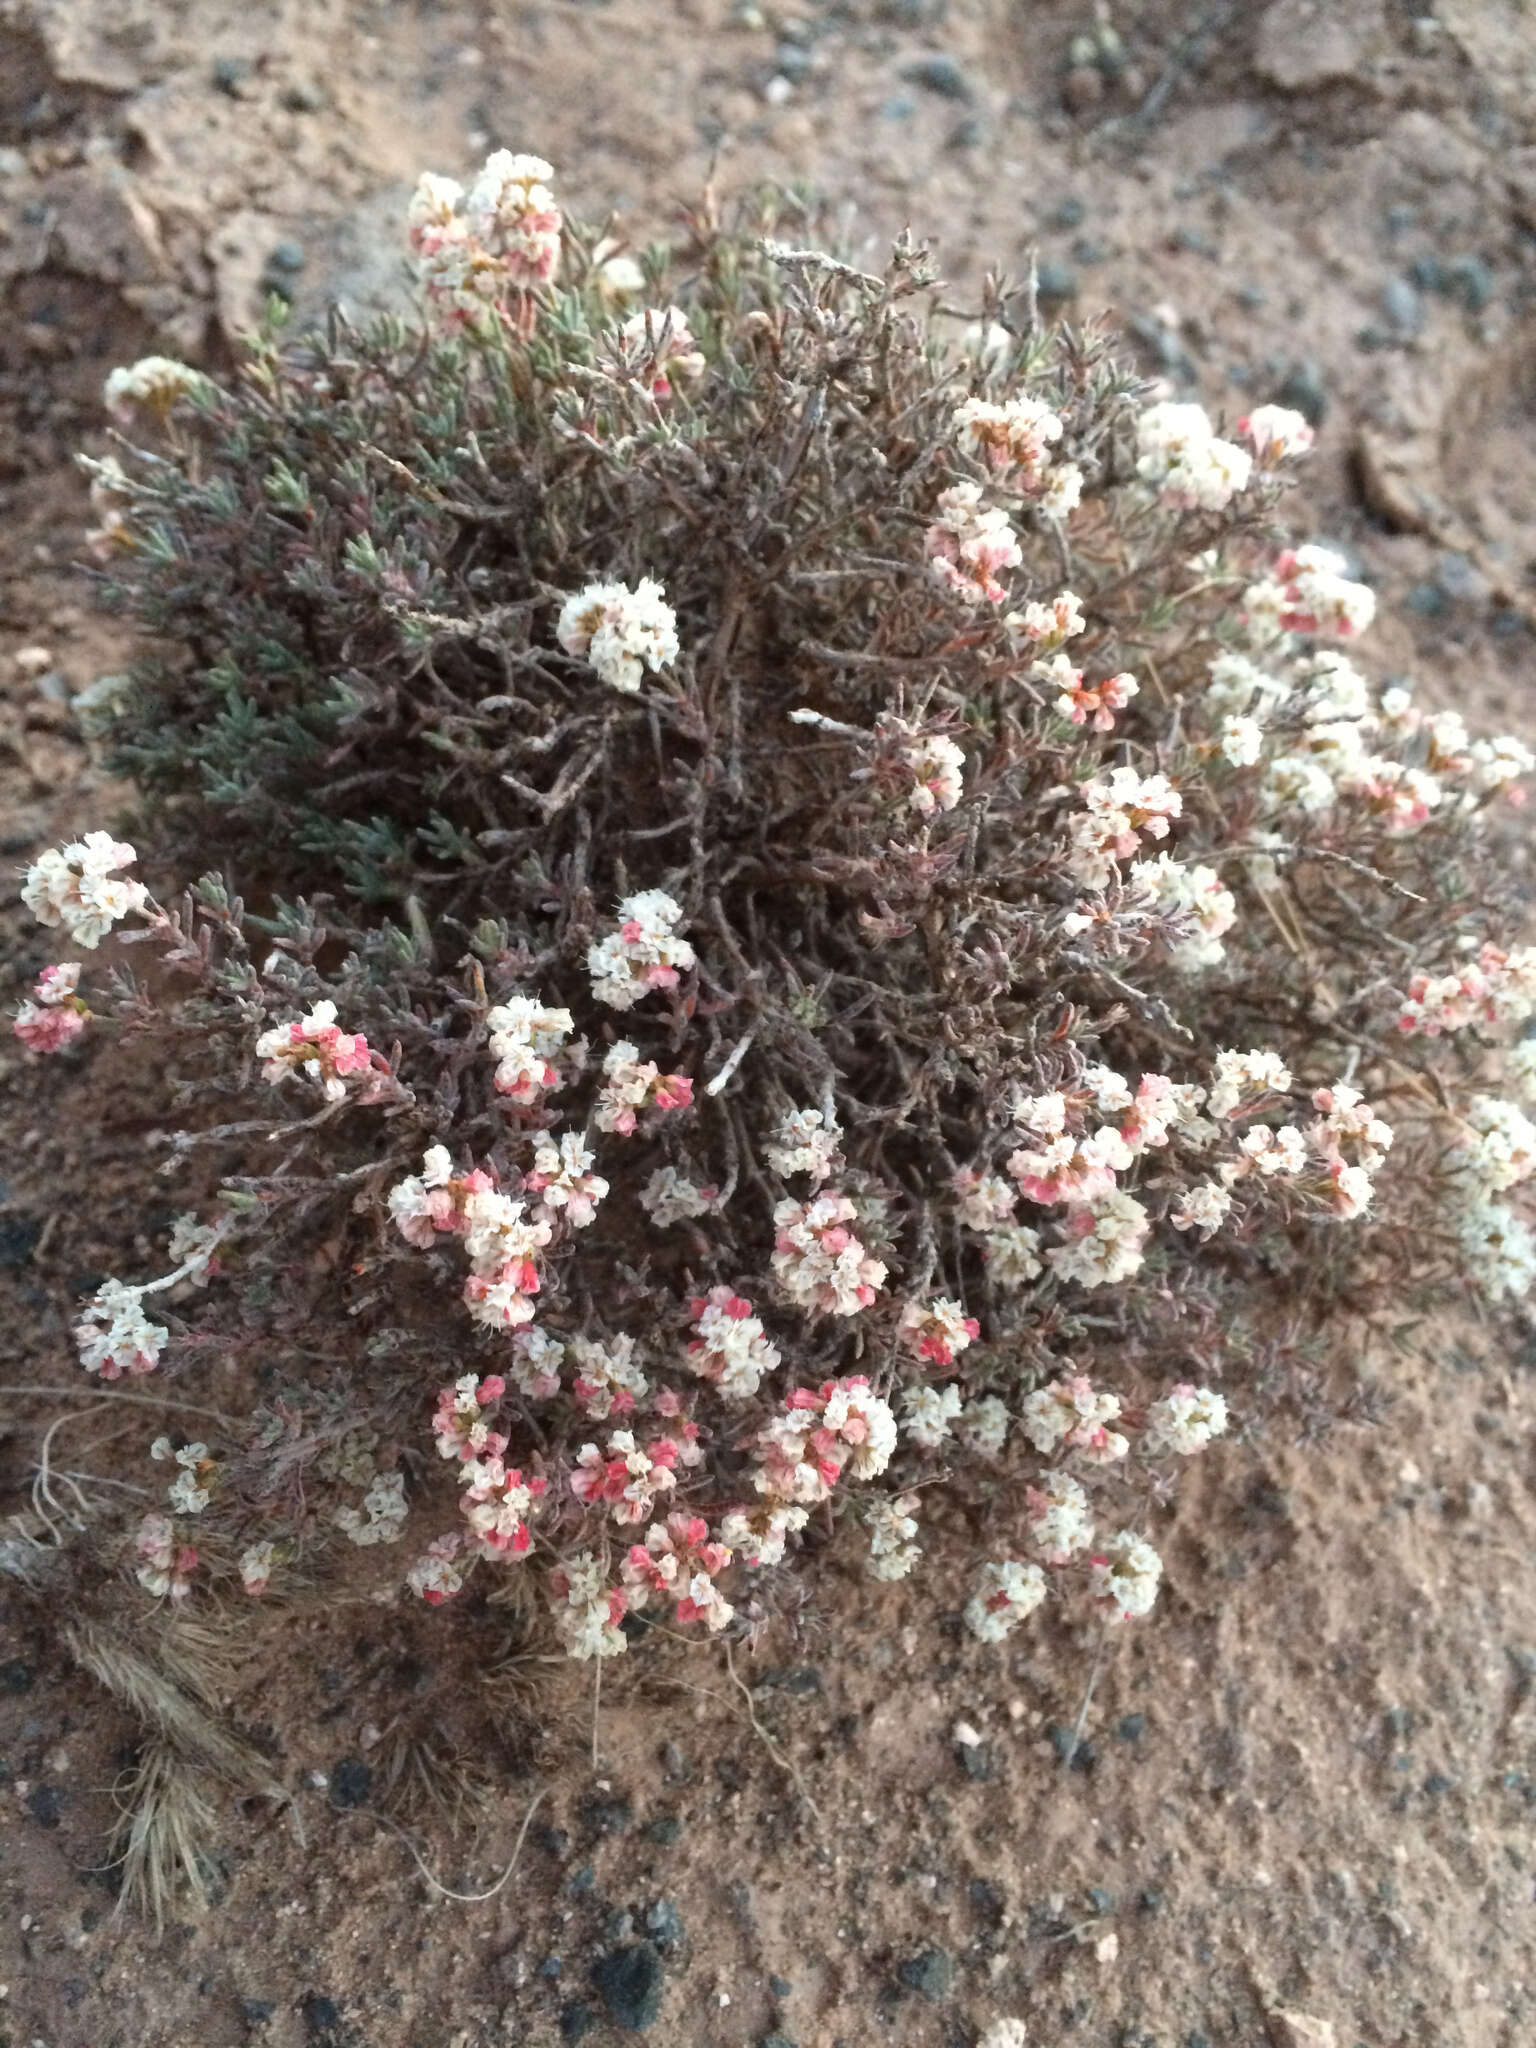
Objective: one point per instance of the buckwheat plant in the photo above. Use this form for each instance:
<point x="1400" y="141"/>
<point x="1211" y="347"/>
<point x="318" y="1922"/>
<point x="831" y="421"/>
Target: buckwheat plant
<point x="836" y="938"/>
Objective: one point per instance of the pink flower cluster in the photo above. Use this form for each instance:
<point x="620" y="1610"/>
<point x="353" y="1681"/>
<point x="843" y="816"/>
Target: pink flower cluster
<point x="1490" y="994"/>
<point x="53" y="1016"/>
<point x="166" y="1565"/>
<point x="630" y="1475"/>
<point x="819" y="1262"/>
<point x="658" y="345"/>
<point x="503" y="1240"/>
<point x="841" y="1425"/>
<point x="1308" y="592"/>
<point x="969" y="543"/>
<point x="1087" y="703"/>
<point x="938" y="1331"/>
<point x="315" y="1047"/>
<point x="1116" y="814"/>
<point x="499" y="241"/>
<point x="680" y="1561"/>
<point x="632" y="1085"/>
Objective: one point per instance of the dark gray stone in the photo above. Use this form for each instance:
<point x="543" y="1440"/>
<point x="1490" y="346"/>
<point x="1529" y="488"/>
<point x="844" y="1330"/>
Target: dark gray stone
<point x="1304" y="392"/>
<point x="1055" y="283"/>
<point x="930" y="1973"/>
<point x="1402" y="303"/>
<point x="351" y="1782"/>
<point x="319" y="2013"/>
<point x="45" y="1803"/>
<point x="939" y="74"/>
<point x="630" y="1982"/>
<point x="229" y="74"/>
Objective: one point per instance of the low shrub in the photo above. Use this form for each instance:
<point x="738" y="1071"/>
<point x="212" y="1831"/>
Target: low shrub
<point x="829" y="911"/>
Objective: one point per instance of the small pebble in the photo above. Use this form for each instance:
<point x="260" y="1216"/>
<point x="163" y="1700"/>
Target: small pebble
<point x="664" y="1924"/>
<point x="350" y="1783"/>
<point x="966" y="1735"/>
<point x="231" y="73"/>
<point x="33" y="661"/>
<point x="778" y="90"/>
<point x="941" y="75"/>
<point x="1403" y="305"/>
<point x="320" y="2013"/>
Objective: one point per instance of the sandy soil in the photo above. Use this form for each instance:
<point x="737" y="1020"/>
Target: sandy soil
<point x="1308" y="1786"/>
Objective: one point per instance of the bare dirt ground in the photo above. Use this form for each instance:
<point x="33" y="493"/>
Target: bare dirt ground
<point x="1308" y="1784"/>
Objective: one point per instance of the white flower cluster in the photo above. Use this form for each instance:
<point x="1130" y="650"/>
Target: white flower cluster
<point x="657" y="345"/>
<point x="936" y="766"/>
<point x="1060" y="1519"/>
<point x="76" y="886"/>
<point x="1185" y="1419"/>
<point x="927" y="1413"/>
<point x="114" y="1336"/>
<point x="1193" y="901"/>
<point x="804" y="1141"/>
<point x="1047" y="627"/>
<point x="587" y="1610"/>
<point x="670" y="1197"/>
<point x="192" y="1488"/>
<point x="645" y="953"/>
<point x="1010" y="1592"/>
<point x="1014" y="439"/>
<point x="526" y="1038"/>
<point x="620" y="632"/>
<point x="1071" y="1415"/>
<point x="731" y="1349"/>
<point x="1179" y="454"/>
<point x="381" y="1519"/>
<point x="1124" y="1580"/>
<point x="892" y="1525"/>
<point x="1277" y="434"/>
<point x="152" y="385"/>
<point x="819" y="1262"/>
